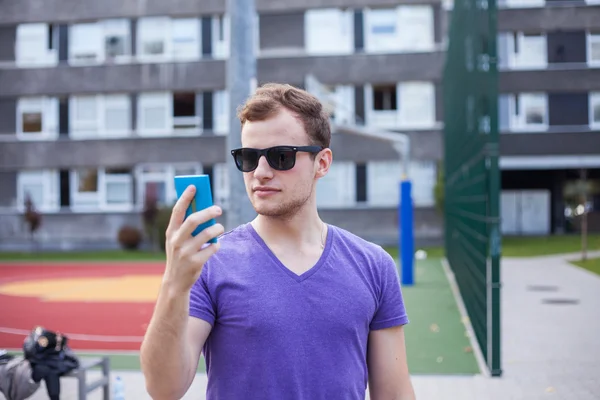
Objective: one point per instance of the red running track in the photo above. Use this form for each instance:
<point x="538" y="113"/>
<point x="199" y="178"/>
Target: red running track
<point x="121" y="325"/>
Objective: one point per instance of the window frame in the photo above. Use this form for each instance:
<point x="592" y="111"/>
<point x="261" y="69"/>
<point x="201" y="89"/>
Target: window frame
<point x="594" y="101"/>
<point x="49" y="179"/>
<point x="592" y="38"/>
<point x="49" y="109"/>
<point x="517" y="113"/>
<point x="166" y="176"/>
<point x="97" y="201"/>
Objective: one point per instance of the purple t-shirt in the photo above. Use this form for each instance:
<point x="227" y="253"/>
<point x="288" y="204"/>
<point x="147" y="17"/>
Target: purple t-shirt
<point x="278" y="335"/>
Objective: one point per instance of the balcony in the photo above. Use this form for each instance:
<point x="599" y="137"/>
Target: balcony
<point x="12" y="12"/>
<point x="553" y="16"/>
<point x="209" y="74"/>
<point x="556" y="78"/>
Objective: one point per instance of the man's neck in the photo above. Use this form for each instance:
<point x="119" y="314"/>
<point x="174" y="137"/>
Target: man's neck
<point x="305" y="228"/>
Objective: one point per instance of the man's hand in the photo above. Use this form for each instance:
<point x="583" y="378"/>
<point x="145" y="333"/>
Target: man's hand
<point x="185" y="254"/>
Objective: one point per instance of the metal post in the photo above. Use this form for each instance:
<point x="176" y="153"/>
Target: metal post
<point x="241" y="82"/>
<point x="407" y="244"/>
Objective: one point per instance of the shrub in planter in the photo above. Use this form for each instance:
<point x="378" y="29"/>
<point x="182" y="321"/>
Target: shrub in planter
<point x="162" y="222"/>
<point x="130" y="237"/>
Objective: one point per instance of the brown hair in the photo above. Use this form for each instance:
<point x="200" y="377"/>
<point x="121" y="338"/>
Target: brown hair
<point x="268" y="99"/>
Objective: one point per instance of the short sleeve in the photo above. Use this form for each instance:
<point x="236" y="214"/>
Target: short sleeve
<point x="201" y="303"/>
<point x="391" y="310"/>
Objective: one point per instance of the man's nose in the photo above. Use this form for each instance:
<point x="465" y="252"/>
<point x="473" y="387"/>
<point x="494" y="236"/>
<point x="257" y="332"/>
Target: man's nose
<point x="263" y="169"/>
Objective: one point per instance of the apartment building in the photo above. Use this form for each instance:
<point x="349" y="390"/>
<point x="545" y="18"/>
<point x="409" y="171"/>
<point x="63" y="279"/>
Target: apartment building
<point x="102" y="101"/>
<point x="549" y="113"/>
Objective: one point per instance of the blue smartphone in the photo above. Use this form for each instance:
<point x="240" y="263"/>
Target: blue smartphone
<point x="202" y="199"/>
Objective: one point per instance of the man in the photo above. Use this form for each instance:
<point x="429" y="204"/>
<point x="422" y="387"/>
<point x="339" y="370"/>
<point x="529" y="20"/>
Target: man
<point x="289" y="307"/>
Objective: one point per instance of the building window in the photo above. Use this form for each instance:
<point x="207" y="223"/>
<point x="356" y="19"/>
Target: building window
<point x="99" y="116"/>
<point x="407" y="28"/>
<point x="527" y="50"/>
<point x="165" y="113"/>
<point x="156" y="180"/>
<point x="408" y="104"/>
<point x="220" y="32"/>
<point x="221" y="185"/>
<point x="522" y="3"/>
<point x="221" y="112"/>
<point x="381" y="30"/>
<point x="117" y="115"/>
<point x="529" y="111"/>
<point x="101" y="189"/>
<point x="99" y="42"/>
<point x="36" y="45"/>
<point x="186" y="42"/>
<point x="383" y="183"/>
<point x="165" y="39"/>
<point x="417" y="104"/>
<point x="185" y="118"/>
<point x="329" y="31"/>
<point x="337" y="189"/>
<point x="593" y="44"/>
<point x="37" y="118"/>
<point x="152" y="38"/>
<point x="595" y="110"/>
<point x="42" y="188"/>
<point x="117" y="40"/>
<point x="155" y="113"/>
<point x="415" y="28"/>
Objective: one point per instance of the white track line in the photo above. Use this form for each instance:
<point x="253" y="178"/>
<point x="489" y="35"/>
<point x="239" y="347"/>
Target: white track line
<point x="78" y="336"/>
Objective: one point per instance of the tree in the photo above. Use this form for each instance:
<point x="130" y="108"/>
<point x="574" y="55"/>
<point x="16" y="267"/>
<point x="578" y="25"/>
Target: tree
<point x="32" y="217"/>
<point x="580" y="190"/>
<point x="150" y="215"/>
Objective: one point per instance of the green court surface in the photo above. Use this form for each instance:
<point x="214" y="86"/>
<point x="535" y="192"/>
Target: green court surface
<point x="436" y="339"/>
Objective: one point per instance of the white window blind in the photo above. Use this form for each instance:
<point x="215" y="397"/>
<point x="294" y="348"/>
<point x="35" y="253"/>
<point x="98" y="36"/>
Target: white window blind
<point x="42" y="188"/>
<point x="329" y="31"/>
<point x="594" y="99"/>
<point x="154" y="38"/>
<point x="381" y="30"/>
<point x="416" y="104"/>
<point x="86" y="43"/>
<point x="155" y="113"/>
<point x="117" y="114"/>
<point x="415" y="25"/>
<point x="35" y="46"/>
<point x="221" y="112"/>
<point x="186" y="42"/>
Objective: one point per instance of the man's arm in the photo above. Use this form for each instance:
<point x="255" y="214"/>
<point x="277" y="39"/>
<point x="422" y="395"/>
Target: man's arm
<point x="388" y="370"/>
<point x="172" y="346"/>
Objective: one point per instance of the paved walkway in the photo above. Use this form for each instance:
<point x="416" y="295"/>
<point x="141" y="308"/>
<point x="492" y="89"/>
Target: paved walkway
<point x="551" y="341"/>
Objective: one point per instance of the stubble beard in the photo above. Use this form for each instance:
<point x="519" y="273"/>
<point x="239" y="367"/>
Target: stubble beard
<point x="284" y="211"/>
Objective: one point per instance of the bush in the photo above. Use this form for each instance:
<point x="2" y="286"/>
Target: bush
<point x="130" y="237"/>
<point x="32" y="217"/>
<point x="162" y="222"/>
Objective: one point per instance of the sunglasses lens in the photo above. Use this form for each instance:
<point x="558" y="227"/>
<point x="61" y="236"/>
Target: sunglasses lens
<point x="282" y="159"/>
<point x="246" y="159"/>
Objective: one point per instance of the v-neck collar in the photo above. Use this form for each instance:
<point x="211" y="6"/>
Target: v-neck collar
<point x="302" y="277"/>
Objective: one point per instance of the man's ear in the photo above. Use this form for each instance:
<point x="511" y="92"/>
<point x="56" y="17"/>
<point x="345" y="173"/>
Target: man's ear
<point x="324" y="160"/>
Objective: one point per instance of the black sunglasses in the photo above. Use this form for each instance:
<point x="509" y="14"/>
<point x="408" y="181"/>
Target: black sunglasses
<point x="280" y="158"/>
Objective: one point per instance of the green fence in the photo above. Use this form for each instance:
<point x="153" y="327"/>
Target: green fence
<point x="471" y="171"/>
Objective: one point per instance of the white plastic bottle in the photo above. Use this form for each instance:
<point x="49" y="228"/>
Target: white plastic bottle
<point x="118" y="389"/>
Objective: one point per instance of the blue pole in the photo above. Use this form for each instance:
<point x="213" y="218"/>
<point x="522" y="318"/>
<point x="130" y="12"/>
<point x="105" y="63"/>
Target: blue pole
<point x="405" y="224"/>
